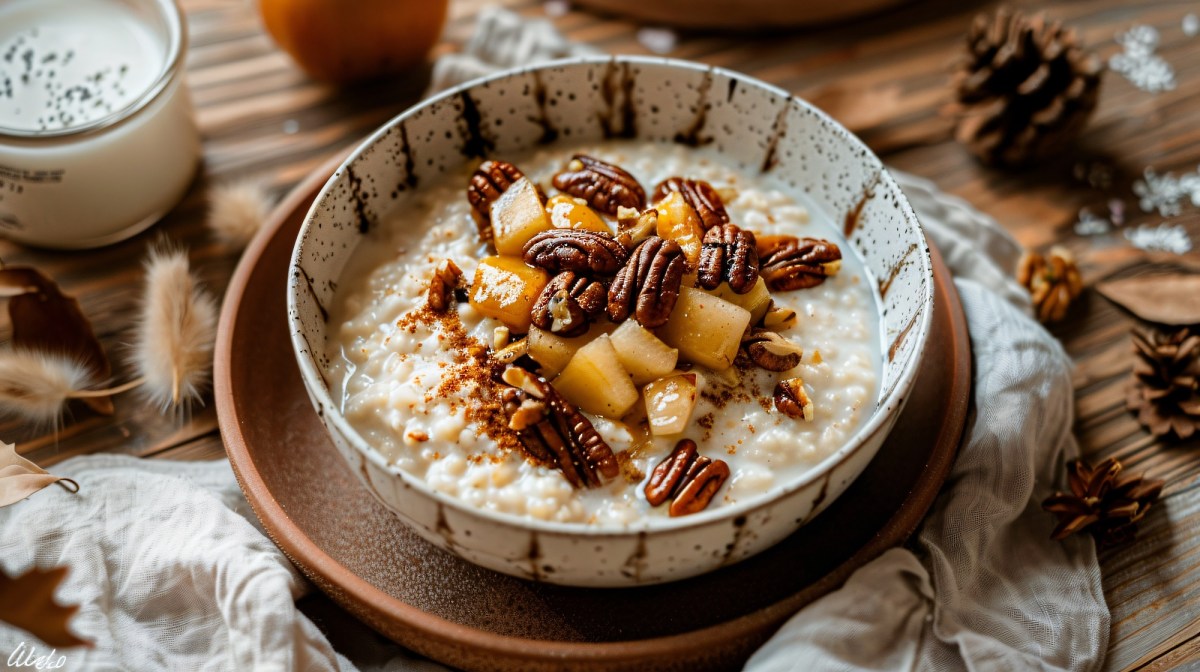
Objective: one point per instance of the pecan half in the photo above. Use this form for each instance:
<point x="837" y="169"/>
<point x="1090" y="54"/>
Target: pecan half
<point x="576" y="250"/>
<point x="729" y="254"/>
<point x="699" y="194"/>
<point x="768" y="350"/>
<point x="563" y="437"/>
<point x="488" y="181"/>
<point x="792" y="400"/>
<point x="690" y="478"/>
<point x="604" y="186"/>
<point x="700" y="488"/>
<point x="446" y="278"/>
<point x="568" y="303"/>
<point x="788" y="263"/>
<point x="648" y="286"/>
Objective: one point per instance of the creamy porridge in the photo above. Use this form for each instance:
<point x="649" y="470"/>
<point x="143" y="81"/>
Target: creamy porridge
<point x="439" y="389"/>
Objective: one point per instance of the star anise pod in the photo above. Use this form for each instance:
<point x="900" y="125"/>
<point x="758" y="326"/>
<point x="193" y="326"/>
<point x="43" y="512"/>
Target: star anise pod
<point x="1102" y="501"/>
<point x="1165" y="391"/>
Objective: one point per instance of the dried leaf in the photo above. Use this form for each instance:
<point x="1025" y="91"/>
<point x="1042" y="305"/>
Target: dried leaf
<point x="46" y="320"/>
<point x="1172" y="298"/>
<point x="28" y="603"/>
<point x="20" y="478"/>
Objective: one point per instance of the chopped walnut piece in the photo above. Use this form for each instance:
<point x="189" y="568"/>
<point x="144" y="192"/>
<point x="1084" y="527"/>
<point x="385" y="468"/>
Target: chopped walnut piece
<point x="568" y="304"/>
<point x="792" y="400"/>
<point x="447" y="277"/>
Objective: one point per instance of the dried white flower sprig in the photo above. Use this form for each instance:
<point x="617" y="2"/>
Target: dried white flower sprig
<point x="176" y="331"/>
<point x="47" y="368"/>
<point x="236" y="211"/>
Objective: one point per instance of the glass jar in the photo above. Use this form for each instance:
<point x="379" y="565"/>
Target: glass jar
<point x="98" y="138"/>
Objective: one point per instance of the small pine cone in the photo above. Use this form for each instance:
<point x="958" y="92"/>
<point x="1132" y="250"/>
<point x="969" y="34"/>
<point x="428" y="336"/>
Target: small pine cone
<point x="1053" y="282"/>
<point x="1165" y="392"/>
<point x="1103" y="501"/>
<point x="1025" y="88"/>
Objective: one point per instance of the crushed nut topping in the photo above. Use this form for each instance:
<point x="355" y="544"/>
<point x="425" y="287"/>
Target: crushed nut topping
<point x="576" y="250"/>
<point x="792" y="400"/>
<point x="447" y="277"/>
<point x="512" y="352"/>
<point x="768" y="350"/>
<point x="778" y="318"/>
<point x="788" y="263"/>
<point x="648" y="286"/>
<point x="563" y="437"/>
<point x="604" y="186"/>
<point x="690" y="478"/>
<point x="568" y="304"/>
<point x="701" y="195"/>
<point x="633" y="227"/>
<point x="486" y="185"/>
<point x="729" y="255"/>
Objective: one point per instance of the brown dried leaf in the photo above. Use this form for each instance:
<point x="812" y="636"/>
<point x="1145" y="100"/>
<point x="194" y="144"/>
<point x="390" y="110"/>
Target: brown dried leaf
<point x="45" y="319"/>
<point x="20" y="478"/>
<point x="28" y="603"/>
<point x="1172" y="298"/>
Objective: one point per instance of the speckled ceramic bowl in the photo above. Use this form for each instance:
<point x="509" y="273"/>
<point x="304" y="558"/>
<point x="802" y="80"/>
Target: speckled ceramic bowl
<point x="760" y="128"/>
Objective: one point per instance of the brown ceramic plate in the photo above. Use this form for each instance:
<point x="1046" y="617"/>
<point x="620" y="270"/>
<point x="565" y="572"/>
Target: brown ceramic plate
<point x="355" y="550"/>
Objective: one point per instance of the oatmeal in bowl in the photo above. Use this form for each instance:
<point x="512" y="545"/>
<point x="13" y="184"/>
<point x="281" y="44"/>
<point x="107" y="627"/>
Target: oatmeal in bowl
<point x="609" y="352"/>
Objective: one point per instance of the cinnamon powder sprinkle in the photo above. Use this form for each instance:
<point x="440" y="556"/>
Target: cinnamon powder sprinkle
<point x="473" y="372"/>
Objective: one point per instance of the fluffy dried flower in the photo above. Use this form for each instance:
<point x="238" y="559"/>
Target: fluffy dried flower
<point x="175" y="333"/>
<point x="236" y="211"/>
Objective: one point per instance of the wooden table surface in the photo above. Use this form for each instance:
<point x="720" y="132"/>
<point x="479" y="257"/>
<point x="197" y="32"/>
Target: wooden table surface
<point x="262" y="119"/>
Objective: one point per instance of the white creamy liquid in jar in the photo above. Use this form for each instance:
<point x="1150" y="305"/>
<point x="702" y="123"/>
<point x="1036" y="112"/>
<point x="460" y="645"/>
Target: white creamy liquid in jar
<point x="97" y="135"/>
<point x="65" y="63"/>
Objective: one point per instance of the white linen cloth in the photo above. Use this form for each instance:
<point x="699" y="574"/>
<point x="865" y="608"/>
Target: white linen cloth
<point x="173" y="572"/>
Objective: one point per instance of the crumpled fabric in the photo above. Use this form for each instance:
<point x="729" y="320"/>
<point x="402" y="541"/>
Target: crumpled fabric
<point x="173" y="572"/>
<point x="982" y="586"/>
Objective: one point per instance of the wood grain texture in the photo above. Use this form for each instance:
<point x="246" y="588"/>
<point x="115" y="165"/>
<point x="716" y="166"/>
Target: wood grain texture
<point x="262" y="119"/>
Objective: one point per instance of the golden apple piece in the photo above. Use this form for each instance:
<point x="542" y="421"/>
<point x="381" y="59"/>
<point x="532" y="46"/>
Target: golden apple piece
<point x="553" y="352"/>
<point x="679" y="222"/>
<point x="757" y="300"/>
<point x="670" y="402"/>
<point x="643" y="355"/>
<point x="595" y="381"/>
<point x="707" y="330"/>
<point x="568" y="212"/>
<point x="517" y="216"/>
<point x="505" y="288"/>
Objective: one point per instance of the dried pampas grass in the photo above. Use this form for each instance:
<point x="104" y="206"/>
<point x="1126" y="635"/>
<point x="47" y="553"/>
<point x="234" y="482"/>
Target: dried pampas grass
<point x="34" y="385"/>
<point x="236" y="211"/>
<point x="176" y="331"/>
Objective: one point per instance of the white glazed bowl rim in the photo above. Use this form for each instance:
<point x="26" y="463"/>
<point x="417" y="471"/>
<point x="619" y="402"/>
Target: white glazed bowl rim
<point x="887" y="406"/>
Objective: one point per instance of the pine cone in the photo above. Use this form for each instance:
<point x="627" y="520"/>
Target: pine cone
<point x="1166" y="382"/>
<point x="1053" y="282"/>
<point x="1025" y="88"/>
<point x="1103" y="502"/>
